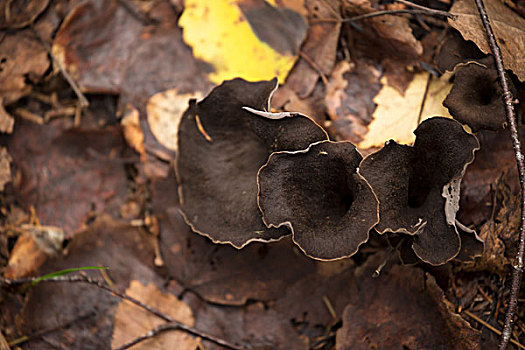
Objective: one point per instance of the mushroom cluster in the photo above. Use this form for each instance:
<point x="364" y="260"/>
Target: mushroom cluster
<point x="246" y="174"/>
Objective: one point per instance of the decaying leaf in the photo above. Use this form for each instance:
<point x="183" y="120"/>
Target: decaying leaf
<point x="22" y="58"/>
<point x="165" y="111"/>
<point x="320" y="47"/>
<point x="252" y="39"/>
<point x="83" y="172"/>
<point x="396" y="115"/>
<point x="349" y="99"/>
<point x="508" y="27"/>
<point x="18" y="14"/>
<point x="388" y="39"/>
<point x="7" y="122"/>
<point x="5" y="168"/>
<point x="221" y="147"/>
<point x="418" y="187"/>
<point x="86" y="309"/>
<point x="320" y="195"/>
<point x="253" y="326"/>
<point x="132" y="321"/>
<point x="33" y="247"/>
<point x="403" y="308"/>
<point x="453" y="49"/>
<point x="132" y="131"/>
<point x="107" y="50"/>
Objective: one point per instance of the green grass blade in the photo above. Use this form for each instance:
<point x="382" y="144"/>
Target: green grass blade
<point x="65" y="272"/>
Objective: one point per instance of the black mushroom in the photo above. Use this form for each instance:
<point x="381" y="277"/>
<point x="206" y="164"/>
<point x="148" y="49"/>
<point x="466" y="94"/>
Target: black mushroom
<point x="476" y="98"/>
<point x="223" y="140"/>
<point x="319" y="194"/>
<point x="418" y="186"/>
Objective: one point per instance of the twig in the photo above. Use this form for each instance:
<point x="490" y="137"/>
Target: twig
<point x="426" y="12"/>
<point x="517" y="274"/>
<point x="152" y="333"/>
<point x="396" y="12"/>
<point x="424" y="8"/>
<point x="99" y="284"/>
<point x="315" y="66"/>
<point x="490" y="327"/>
<point x="42" y="332"/>
<point x="83" y="100"/>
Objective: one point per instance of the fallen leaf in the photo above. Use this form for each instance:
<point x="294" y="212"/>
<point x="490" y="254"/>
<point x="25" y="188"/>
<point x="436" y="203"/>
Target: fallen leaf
<point x="5" y="168"/>
<point x="7" y="122"/>
<point x="349" y="99"/>
<point x="22" y="59"/>
<point x="508" y="27"/>
<point x="84" y="173"/>
<point x="254" y="326"/>
<point x="319" y="48"/>
<point x="132" y="321"/>
<point x="33" y="247"/>
<point x="403" y="308"/>
<point x="107" y="50"/>
<point x="132" y="131"/>
<point x="396" y="116"/>
<point x="388" y="39"/>
<point x="18" y="14"/>
<point x="165" y="111"/>
<point x="228" y="35"/>
<point x="86" y="309"/>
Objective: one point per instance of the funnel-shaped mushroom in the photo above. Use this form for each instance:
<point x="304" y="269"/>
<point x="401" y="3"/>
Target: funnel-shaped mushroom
<point x="476" y="98"/>
<point x="320" y="195"/>
<point x="221" y="147"/>
<point x="418" y="187"/>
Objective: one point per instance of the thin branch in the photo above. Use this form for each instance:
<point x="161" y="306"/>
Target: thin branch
<point x="99" y="284"/>
<point x="426" y="12"/>
<point x="150" y="334"/>
<point x="397" y="12"/>
<point x="490" y="327"/>
<point x="517" y="274"/>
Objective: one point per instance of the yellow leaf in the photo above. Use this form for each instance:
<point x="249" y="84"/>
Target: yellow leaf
<point x="220" y="35"/>
<point x="396" y="116"/>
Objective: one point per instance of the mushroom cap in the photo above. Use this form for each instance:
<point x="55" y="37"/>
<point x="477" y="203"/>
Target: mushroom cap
<point x="476" y="98"/>
<point x="418" y="187"/>
<point x="321" y="196"/>
<point x="221" y="148"/>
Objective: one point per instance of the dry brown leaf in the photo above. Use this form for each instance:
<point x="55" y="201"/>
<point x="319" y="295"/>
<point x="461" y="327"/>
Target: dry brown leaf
<point x="165" y="110"/>
<point x="22" y="58"/>
<point x="508" y="26"/>
<point x="132" y="131"/>
<point x="349" y="95"/>
<point x="396" y="116"/>
<point x="132" y="321"/>
<point x="18" y="14"/>
<point x="319" y="47"/>
<point x="5" y="168"/>
<point x="32" y="248"/>
<point x="7" y="122"/>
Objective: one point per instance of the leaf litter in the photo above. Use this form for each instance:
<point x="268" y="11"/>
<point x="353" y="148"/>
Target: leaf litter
<point x="103" y="175"/>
